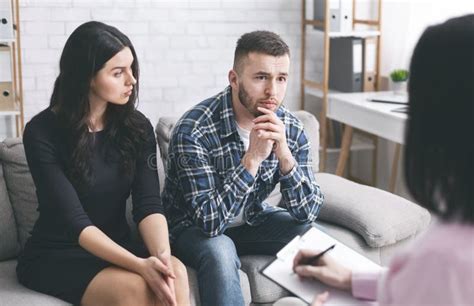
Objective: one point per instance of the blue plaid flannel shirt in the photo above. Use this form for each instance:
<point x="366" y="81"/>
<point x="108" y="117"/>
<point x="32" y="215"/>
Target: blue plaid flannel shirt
<point x="206" y="184"/>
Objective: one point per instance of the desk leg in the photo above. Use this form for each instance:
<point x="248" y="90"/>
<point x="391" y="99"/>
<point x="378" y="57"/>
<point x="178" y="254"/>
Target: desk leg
<point x="396" y="158"/>
<point x="345" y="150"/>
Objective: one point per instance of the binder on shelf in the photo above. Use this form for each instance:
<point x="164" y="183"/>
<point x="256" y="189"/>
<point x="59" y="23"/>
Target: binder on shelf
<point x="345" y="64"/>
<point x="340" y="12"/>
<point x="5" y="64"/>
<point x="6" y="21"/>
<point x="369" y="63"/>
<point x="7" y="102"/>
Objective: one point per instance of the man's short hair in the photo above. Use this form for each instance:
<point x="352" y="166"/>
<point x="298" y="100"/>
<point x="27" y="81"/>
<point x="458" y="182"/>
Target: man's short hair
<point x="265" y="42"/>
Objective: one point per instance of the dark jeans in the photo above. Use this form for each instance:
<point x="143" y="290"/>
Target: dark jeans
<point x="216" y="259"/>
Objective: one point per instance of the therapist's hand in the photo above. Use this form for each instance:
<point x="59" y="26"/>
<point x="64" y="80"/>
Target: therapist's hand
<point x="326" y="270"/>
<point x="320" y="299"/>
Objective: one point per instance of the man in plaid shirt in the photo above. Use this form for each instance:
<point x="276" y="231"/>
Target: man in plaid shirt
<point x="225" y="157"/>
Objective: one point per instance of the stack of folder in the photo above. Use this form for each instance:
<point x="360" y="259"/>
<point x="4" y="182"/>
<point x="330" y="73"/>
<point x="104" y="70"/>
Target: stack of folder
<point x="6" y="36"/>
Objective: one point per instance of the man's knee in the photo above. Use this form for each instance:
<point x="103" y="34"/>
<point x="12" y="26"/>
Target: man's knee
<point x="220" y="251"/>
<point x="289" y="225"/>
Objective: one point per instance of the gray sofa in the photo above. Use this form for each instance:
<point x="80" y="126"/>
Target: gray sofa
<point x="372" y="222"/>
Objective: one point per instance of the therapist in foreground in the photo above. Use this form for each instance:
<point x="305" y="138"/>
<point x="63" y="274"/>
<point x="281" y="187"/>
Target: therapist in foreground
<point x="439" y="172"/>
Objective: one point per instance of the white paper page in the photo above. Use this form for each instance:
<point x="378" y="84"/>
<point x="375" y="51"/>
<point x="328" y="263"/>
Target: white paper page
<point x="281" y="269"/>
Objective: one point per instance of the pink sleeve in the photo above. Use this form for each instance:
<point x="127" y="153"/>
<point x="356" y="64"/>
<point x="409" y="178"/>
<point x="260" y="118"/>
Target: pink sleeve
<point x="439" y="278"/>
<point x="365" y="283"/>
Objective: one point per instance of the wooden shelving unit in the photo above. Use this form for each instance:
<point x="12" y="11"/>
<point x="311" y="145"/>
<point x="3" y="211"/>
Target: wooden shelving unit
<point x="313" y="87"/>
<point x="11" y="17"/>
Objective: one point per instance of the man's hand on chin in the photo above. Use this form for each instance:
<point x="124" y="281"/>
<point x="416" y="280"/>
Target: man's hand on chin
<point x="270" y="127"/>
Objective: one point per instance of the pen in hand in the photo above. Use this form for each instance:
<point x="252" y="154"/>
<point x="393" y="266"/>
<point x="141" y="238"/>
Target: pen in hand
<point x="314" y="259"/>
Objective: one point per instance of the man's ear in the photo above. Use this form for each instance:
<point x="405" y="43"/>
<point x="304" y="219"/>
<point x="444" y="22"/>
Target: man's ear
<point x="233" y="78"/>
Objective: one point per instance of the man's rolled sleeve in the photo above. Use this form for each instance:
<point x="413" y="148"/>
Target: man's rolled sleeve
<point x="301" y="193"/>
<point x="243" y="179"/>
<point x="292" y="179"/>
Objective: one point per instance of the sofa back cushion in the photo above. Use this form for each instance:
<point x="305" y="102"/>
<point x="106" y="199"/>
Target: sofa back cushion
<point x="163" y="131"/>
<point x="311" y="129"/>
<point x="380" y="217"/>
<point x="8" y="235"/>
<point x="20" y="187"/>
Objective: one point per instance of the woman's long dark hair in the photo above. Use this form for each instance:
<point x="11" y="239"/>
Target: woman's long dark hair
<point x="86" y="51"/>
<point x="439" y="151"/>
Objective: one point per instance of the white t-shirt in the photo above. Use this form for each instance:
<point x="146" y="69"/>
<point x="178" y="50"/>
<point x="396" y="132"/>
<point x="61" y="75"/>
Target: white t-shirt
<point x="245" y="137"/>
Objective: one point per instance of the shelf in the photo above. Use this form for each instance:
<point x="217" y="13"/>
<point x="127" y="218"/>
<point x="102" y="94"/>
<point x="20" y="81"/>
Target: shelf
<point x="12" y="41"/>
<point x="318" y="23"/>
<point x="9" y="113"/>
<point x="313" y="84"/>
<point x="318" y="92"/>
<point x="357" y="33"/>
<point x="319" y="29"/>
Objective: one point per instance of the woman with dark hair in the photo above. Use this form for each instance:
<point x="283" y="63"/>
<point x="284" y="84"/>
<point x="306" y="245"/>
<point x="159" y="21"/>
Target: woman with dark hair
<point x="439" y="171"/>
<point x="87" y="152"/>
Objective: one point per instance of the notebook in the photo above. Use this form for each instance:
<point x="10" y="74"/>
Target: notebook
<point x="280" y="270"/>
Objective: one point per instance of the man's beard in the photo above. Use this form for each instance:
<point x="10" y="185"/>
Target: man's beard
<point x="246" y="101"/>
<point x="249" y="104"/>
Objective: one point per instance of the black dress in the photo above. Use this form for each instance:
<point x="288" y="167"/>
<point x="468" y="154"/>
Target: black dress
<point x="52" y="261"/>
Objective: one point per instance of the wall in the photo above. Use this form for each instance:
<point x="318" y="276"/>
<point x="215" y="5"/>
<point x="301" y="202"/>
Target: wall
<point x="185" y="47"/>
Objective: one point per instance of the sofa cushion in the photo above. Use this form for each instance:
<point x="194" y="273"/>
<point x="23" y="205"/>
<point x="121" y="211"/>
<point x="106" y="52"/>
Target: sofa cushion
<point x="13" y="293"/>
<point x="380" y="217"/>
<point x="263" y="289"/>
<point x="160" y="168"/>
<point x="21" y="188"/>
<point x="163" y="130"/>
<point x="8" y="235"/>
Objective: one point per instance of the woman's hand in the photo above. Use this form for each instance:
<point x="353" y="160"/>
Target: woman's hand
<point x="320" y="299"/>
<point x="326" y="269"/>
<point x="160" y="278"/>
<point x="166" y="259"/>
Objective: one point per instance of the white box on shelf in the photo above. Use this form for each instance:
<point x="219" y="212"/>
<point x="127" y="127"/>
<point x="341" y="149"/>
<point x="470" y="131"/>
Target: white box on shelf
<point x="345" y="20"/>
<point x="6" y="21"/>
<point x="340" y="14"/>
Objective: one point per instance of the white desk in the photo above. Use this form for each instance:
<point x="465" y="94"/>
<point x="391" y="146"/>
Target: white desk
<point x="354" y="110"/>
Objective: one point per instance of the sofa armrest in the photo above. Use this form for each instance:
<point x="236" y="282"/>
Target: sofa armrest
<point x="380" y="217"/>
